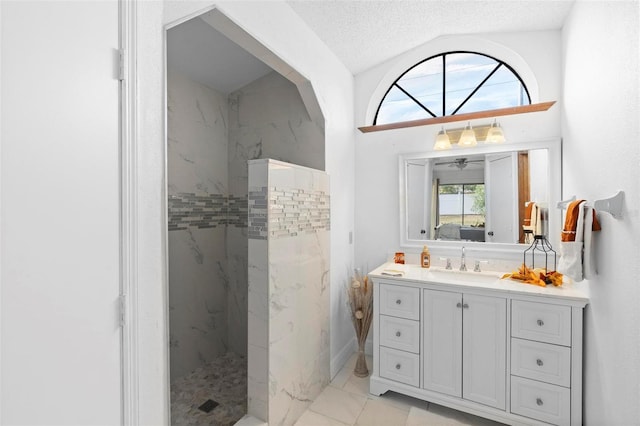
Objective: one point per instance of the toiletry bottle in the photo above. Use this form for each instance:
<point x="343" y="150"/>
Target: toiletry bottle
<point x="425" y="258"/>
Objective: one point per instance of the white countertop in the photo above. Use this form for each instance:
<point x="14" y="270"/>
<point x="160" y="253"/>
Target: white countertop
<point x="489" y="280"/>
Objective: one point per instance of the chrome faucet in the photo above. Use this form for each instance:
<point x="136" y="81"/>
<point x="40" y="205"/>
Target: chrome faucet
<point x="463" y="262"/>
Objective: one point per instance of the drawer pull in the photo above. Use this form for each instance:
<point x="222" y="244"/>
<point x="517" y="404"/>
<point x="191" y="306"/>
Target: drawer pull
<point x="540" y="322"/>
<point x="539" y="401"/>
<point x="398" y="334"/>
<point x="539" y="362"/>
<point x="398" y="302"/>
<point x="458" y="305"/>
<point x="398" y="366"/>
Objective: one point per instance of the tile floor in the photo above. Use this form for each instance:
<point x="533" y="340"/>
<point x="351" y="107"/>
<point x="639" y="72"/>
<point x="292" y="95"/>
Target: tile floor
<point x="346" y="401"/>
<point x="223" y="380"/>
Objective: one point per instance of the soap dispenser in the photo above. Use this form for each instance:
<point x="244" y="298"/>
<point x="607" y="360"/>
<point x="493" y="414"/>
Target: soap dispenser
<point x="425" y="258"/>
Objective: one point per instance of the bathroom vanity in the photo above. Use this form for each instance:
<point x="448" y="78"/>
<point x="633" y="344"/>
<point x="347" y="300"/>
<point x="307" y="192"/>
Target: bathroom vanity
<point x="495" y="348"/>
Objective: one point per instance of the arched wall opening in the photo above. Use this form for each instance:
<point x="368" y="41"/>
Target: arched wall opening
<point x="230" y="101"/>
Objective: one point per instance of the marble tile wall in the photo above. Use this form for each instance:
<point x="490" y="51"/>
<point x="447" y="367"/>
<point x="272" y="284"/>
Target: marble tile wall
<point x="267" y="119"/>
<point x="288" y="290"/>
<point x="198" y="205"/>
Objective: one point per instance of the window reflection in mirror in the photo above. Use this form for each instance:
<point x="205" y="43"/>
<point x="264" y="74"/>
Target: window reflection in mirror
<point x="479" y="197"/>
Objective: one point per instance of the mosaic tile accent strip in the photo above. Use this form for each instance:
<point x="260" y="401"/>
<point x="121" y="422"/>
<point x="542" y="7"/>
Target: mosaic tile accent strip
<point x="291" y="212"/>
<point x="237" y="211"/>
<point x="257" y="229"/>
<point x="188" y="210"/>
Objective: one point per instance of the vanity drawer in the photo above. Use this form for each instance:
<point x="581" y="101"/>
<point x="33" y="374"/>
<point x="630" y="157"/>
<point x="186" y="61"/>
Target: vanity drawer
<point x="400" y="301"/>
<point x="542" y="322"/>
<point x="540" y="401"/>
<point x="399" y="333"/>
<point x="400" y="366"/>
<point x="541" y="361"/>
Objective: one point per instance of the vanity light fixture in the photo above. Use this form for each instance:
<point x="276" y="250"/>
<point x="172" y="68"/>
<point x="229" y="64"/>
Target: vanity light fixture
<point x="468" y="137"/>
<point x="442" y="141"/>
<point x="495" y="134"/>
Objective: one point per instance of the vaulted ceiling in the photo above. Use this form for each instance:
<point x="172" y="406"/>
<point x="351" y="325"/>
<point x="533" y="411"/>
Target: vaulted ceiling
<point x="366" y="33"/>
<point x="361" y="33"/>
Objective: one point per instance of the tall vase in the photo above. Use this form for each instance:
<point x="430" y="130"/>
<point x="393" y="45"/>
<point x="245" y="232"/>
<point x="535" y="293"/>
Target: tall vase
<point x="361" y="369"/>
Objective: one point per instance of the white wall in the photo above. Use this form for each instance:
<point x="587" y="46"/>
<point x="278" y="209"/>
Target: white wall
<point x="601" y="155"/>
<point x="59" y="228"/>
<point x="271" y="23"/>
<point x="536" y="56"/>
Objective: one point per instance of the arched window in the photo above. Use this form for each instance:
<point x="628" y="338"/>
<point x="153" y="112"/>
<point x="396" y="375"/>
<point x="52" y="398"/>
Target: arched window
<point x="449" y="84"/>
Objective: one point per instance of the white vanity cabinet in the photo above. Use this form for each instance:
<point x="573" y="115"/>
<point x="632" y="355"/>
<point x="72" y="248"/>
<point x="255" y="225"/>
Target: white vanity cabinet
<point x="499" y="349"/>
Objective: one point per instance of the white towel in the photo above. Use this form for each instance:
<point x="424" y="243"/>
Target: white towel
<point x="571" y="252"/>
<point x="589" y="268"/>
<point x="577" y="258"/>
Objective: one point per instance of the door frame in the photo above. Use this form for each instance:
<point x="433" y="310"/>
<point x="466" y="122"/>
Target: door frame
<point x="128" y="213"/>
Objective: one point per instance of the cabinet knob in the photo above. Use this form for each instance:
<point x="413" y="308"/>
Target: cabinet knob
<point x="539" y="401"/>
<point x="398" y="366"/>
<point x="398" y="334"/>
<point x="540" y="322"/>
<point x="458" y="305"/>
<point x="539" y="362"/>
<point x="465" y="306"/>
<point x="398" y="302"/>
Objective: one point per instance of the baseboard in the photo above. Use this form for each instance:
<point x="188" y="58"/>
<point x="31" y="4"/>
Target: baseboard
<point x="341" y="358"/>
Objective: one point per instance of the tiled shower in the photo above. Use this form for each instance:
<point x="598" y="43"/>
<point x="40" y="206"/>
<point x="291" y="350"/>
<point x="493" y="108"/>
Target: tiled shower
<point x="211" y="137"/>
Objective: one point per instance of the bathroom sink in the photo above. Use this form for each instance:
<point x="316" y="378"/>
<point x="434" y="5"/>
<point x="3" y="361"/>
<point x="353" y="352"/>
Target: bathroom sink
<point x="466" y="277"/>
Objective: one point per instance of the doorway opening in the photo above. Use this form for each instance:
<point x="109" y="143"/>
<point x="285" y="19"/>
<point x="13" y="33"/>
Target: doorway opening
<point x="224" y="108"/>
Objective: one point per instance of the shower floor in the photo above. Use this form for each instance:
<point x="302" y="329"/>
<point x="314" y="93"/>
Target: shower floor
<point x="223" y="380"/>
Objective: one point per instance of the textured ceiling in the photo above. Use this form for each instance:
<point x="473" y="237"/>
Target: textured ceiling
<point x="363" y="34"/>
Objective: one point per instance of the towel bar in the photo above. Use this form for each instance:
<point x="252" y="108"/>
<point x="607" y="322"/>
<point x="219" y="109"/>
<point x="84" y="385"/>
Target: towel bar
<point x="565" y="203"/>
<point x="611" y="205"/>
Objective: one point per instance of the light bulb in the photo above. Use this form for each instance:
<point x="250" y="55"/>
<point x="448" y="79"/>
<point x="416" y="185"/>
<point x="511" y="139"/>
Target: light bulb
<point x="495" y="134"/>
<point x="468" y="137"/>
<point x="442" y="141"/>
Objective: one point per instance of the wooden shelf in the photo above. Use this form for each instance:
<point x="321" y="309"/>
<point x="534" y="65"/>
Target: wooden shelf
<point x="543" y="106"/>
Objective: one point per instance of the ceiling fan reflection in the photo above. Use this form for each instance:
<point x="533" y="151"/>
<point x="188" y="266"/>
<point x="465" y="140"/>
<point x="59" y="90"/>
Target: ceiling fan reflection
<point x="460" y="163"/>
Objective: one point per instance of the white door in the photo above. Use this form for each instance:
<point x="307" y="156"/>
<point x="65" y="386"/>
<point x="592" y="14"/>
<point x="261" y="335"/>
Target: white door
<point x="60" y="213"/>
<point x="501" y="198"/>
<point x="442" y="319"/>
<point x="484" y="350"/>
<point x="418" y="197"/>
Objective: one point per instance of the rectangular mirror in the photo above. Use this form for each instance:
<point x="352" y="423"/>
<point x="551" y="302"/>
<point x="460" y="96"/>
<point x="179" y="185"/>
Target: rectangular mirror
<point x="481" y="195"/>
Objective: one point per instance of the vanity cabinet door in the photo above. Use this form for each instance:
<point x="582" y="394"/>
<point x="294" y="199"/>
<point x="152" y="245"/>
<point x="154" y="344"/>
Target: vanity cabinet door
<point x="465" y="344"/>
<point x="484" y="347"/>
<point x="442" y="328"/>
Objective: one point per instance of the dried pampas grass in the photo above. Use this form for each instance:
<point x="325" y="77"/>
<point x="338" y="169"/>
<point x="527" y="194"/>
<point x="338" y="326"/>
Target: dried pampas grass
<point x="360" y="295"/>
